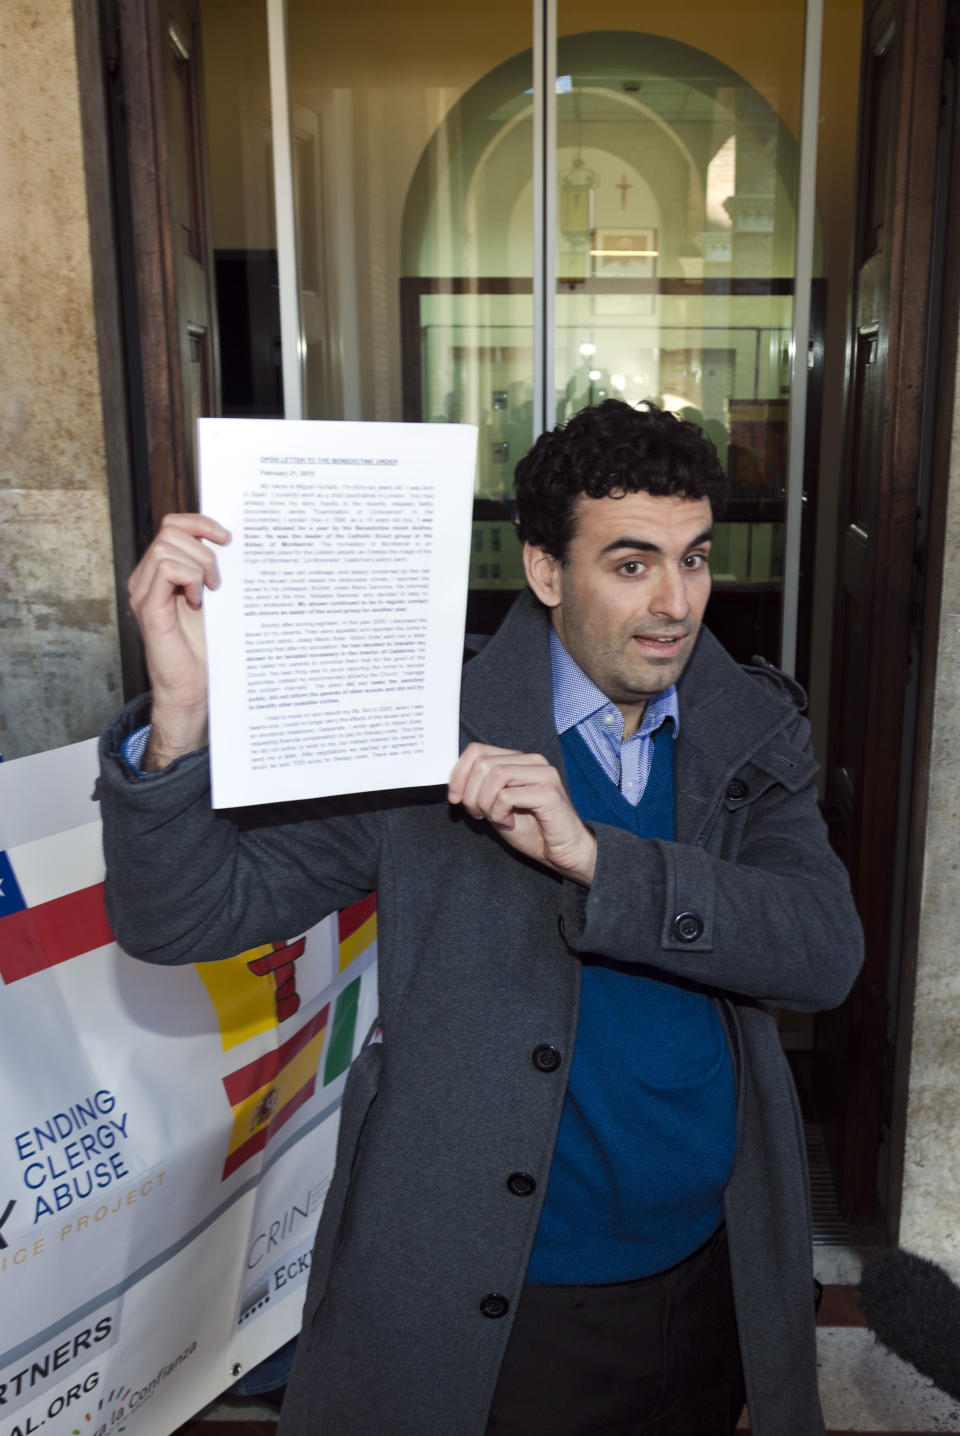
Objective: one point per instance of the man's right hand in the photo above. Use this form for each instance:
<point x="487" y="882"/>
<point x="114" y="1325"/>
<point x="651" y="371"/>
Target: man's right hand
<point x="166" y="593"/>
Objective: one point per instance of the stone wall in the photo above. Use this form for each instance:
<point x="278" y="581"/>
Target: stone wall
<point x="59" y="656"/>
<point x="930" y="1222"/>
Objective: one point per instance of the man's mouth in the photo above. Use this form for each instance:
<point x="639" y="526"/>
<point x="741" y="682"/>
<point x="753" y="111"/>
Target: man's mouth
<point x="658" y="640"/>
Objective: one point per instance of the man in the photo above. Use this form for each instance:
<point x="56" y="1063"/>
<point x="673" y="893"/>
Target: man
<point x="580" y="1103"/>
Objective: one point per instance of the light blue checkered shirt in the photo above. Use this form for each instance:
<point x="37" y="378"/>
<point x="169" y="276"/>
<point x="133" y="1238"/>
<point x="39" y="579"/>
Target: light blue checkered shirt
<point x="578" y="703"/>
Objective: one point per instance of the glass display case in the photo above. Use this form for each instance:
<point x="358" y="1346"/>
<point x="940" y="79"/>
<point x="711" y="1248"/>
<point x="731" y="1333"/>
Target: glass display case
<point x="716" y="351"/>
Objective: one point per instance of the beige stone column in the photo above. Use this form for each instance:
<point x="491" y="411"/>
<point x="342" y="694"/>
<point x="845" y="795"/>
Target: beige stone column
<point x="930" y="1221"/>
<point x="59" y="656"/>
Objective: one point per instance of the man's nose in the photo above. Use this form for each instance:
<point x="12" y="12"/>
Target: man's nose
<point x="671" y="600"/>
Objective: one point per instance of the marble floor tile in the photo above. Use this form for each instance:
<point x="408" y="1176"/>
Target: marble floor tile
<point x="864" y="1387"/>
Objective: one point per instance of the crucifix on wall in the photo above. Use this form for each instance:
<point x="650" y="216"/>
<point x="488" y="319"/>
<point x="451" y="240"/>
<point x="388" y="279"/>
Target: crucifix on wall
<point x="623" y="186"/>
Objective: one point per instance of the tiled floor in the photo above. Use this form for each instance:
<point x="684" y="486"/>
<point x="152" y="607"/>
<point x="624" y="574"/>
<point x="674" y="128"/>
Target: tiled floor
<point x="865" y="1390"/>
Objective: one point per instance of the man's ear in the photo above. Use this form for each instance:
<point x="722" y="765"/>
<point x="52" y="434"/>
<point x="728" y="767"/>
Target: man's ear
<point x="543" y="574"/>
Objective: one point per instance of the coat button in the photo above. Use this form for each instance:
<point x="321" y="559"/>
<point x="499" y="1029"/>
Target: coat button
<point x="687" y="926"/>
<point x="521" y="1184"/>
<point x="494" y="1305"/>
<point x="545" y="1059"/>
<point x="737" y="790"/>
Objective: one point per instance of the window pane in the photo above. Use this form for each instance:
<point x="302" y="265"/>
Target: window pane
<point x="677" y="162"/>
<point x="237" y="95"/>
<point x="413" y="125"/>
<point x="413" y="147"/>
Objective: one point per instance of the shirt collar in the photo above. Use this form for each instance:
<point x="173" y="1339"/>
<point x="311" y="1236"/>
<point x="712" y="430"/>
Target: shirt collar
<point x="576" y="697"/>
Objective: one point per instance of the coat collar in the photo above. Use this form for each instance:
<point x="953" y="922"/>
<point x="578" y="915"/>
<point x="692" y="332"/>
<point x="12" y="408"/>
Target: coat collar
<point x="507" y="694"/>
<point x="507" y="700"/>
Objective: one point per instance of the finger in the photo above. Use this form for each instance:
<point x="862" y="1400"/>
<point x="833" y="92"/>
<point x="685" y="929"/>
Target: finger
<point x="177" y="559"/>
<point x="155" y="588"/>
<point x="174" y="540"/>
<point x="472" y="754"/>
<point x="495" y="784"/>
<point x="200" y="526"/>
<point x="167" y="598"/>
<point x="185" y="532"/>
<point x="522" y="789"/>
<point x="484" y="762"/>
<point x="172" y="580"/>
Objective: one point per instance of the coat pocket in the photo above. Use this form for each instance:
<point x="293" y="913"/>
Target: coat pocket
<point x="359" y="1095"/>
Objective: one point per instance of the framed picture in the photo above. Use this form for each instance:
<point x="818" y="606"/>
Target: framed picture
<point x="619" y="254"/>
<point x="625" y="254"/>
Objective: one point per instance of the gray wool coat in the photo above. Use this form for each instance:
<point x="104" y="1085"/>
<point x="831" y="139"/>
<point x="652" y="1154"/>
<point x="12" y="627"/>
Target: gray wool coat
<point x="479" y="979"/>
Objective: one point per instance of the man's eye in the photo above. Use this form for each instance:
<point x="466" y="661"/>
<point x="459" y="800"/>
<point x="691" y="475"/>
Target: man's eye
<point x="632" y="567"/>
<point x="696" y="560"/>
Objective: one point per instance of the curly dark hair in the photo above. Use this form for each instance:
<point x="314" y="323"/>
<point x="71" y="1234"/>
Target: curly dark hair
<point x="607" y="451"/>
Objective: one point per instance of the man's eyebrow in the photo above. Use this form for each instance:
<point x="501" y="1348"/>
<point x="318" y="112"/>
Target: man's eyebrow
<point x="641" y="545"/>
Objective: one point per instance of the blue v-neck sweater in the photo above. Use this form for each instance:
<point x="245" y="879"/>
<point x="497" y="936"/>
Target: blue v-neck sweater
<point x="648" y="1132"/>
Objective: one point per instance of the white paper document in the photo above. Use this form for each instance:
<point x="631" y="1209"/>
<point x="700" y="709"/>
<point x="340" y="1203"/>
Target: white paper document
<point x="335" y="640"/>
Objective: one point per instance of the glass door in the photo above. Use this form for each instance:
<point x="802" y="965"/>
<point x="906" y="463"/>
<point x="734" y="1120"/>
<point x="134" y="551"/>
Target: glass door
<point x="677" y="164"/>
<point x="653" y="151"/>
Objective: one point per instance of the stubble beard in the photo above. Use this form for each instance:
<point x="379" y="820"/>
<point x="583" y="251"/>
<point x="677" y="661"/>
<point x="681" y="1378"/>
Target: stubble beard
<point x="655" y="676"/>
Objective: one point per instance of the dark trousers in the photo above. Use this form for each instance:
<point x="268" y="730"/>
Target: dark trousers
<point x="654" y="1357"/>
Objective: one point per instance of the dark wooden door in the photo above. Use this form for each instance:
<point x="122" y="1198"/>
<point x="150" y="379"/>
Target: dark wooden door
<point x="159" y="58"/>
<point x="873" y="641"/>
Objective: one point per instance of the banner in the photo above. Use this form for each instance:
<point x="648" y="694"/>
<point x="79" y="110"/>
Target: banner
<point x="167" y="1134"/>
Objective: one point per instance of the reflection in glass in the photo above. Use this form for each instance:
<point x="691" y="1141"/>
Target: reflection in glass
<point x="413" y="154"/>
<point x="237" y="101"/>
<point x="676" y="232"/>
<point x="414" y="135"/>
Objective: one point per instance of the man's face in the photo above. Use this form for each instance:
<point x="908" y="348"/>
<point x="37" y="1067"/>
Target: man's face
<point x="628" y="602"/>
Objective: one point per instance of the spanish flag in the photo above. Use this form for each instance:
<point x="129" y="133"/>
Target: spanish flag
<point x="266" y="1093"/>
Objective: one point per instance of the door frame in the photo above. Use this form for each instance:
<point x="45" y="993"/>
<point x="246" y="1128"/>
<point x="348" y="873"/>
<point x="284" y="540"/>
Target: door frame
<point x="865" y="1047"/>
<point x="119" y="42"/>
<point x="940" y="395"/>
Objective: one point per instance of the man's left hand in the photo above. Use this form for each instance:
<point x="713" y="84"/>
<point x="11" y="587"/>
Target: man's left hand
<point x="525" y="800"/>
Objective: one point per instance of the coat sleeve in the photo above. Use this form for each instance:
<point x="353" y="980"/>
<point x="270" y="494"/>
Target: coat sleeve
<point x="775" y="922"/>
<point x="186" y="883"/>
